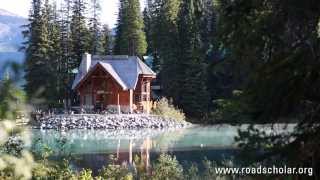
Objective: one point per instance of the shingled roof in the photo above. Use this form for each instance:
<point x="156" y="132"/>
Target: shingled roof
<point x="124" y="69"/>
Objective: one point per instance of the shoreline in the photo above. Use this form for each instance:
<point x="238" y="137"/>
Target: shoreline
<point x="110" y="121"/>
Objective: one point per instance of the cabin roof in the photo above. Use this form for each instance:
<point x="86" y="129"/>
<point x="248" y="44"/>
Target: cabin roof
<point x="124" y="69"/>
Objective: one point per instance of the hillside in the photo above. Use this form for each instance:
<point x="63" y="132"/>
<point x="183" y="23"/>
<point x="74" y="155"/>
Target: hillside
<point x="11" y="38"/>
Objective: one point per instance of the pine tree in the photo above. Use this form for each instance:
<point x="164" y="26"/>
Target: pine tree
<point x="120" y="42"/>
<point x="193" y="96"/>
<point x="276" y="45"/>
<point x="107" y="40"/>
<point x="36" y="48"/>
<point x="147" y="28"/>
<point x="130" y="36"/>
<point x="95" y="46"/>
<point x="163" y="42"/>
<point x="55" y="81"/>
<point x="79" y="33"/>
<point x="66" y="48"/>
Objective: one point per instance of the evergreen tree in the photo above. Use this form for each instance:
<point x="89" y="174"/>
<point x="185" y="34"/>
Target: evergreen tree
<point x="66" y="48"/>
<point x="277" y="44"/>
<point x="178" y="37"/>
<point x="163" y="42"/>
<point x="107" y="40"/>
<point x="147" y="28"/>
<point x="36" y="49"/>
<point x="95" y="46"/>
<point x="55" y="81"/>
<point x="79" y="33"/>
<point x="193" y="96"/>
<point x="130" y="37"/>
<point x="42" y="52"/>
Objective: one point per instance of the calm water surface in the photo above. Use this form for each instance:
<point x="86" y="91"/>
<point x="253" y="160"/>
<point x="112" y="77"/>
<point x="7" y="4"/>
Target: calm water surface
<point x="91" y="148"/>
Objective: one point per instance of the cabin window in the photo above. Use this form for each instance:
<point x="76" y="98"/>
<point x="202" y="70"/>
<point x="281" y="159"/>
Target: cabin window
<point x="145" y="87"/>
<point x="137" y="98"/>
<point x="144" y="97"/>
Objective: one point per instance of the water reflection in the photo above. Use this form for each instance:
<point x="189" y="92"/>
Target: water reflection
<point x="115" y="141"/>
<point x="91" y="148"/>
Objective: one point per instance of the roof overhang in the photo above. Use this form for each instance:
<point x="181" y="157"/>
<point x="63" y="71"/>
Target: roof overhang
<point x="98" y="65"/>
<point x="149" y="76"/>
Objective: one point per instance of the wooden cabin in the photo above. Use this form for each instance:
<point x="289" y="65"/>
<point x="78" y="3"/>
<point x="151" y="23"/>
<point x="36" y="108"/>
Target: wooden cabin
<point x="119" y="83"/>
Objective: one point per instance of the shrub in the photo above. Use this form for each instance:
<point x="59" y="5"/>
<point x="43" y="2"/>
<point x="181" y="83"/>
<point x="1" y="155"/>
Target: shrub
<point x="115" y="172"/>
<point x="166" y="109"/>
<point x="192" y="173"/>
<point x="15" y="161"/>
<point x="232" y="110"/>
<point x="167" y="167"/>
<point x="85" y="174"/>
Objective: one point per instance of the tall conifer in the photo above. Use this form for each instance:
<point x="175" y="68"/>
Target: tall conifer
<point x="130" y="37"/>
<point x="107" y="40"/>
<point x="36" y="48"/>
<point x="95" y="43"/>
<point x="79" y="33"/>
<point x="193" y="92"/>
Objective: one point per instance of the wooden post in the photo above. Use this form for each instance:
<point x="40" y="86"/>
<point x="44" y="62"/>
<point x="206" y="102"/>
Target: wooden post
<point x="81" y="100"/>
<point x="148" y="106"/>
<point x="148" y="97"/>
<point x="118" y="149"/>
<point x="119" y="108"/>
<point x="131" y="100"/>
<point x="130" y="151"/>
<point x="147" y="163"/>
<point x="92" y="94"/>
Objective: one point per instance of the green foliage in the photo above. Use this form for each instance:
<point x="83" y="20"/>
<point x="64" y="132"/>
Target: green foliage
<point x="15" y="161"/>
<point x="192" y="173"/>
<point x="43" y="62"/>
<point x="36" y="49"/>
<point x="79" y="33"/>
<point x="179" y="34"/>
<point x="277" y="44"/>
<point x="141" y="170"/>
<point x="232" y="110"/>
<point x="130" y="38"/>
<point x="12" y="100"/>
<point x="107" y="40"/>
<point x="167" y="167"/>
<point x="166" y="109"/>
<point x="94" y="28"/>
<point x="193" y="95"/>
<point x="209" y="172"/>
<point x="115" y="172"/>
<point x="85" y="174"/>
<point x="162" y="36"/>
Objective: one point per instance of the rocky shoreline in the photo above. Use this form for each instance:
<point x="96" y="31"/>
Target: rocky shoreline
<point x="97" y="121"/>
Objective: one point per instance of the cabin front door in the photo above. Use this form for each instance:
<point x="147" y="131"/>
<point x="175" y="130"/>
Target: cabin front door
<point x="101" y="101"/>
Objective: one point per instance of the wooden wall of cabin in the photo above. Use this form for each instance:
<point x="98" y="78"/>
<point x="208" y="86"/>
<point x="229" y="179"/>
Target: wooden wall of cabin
<point x="103" y="88"/>
<point x="142" y="94"/>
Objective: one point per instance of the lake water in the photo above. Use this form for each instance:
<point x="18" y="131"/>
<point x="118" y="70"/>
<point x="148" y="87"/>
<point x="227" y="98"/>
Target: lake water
<point x="91" y="148"/>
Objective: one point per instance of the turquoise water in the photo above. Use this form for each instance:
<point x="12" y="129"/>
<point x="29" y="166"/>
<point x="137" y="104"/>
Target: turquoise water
<point x="91" y="148"/>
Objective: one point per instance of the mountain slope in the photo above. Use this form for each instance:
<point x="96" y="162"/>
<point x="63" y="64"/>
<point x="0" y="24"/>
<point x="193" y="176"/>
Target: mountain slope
<point x="10" y="31"/>
<point x="11" y="38"/>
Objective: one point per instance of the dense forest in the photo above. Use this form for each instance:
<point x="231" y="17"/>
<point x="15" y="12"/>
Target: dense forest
<point x="214" y="59"/>
<point x="180" y="35"/>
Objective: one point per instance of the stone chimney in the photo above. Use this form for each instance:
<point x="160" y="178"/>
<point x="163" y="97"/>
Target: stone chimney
<point x="86" y="62"/>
